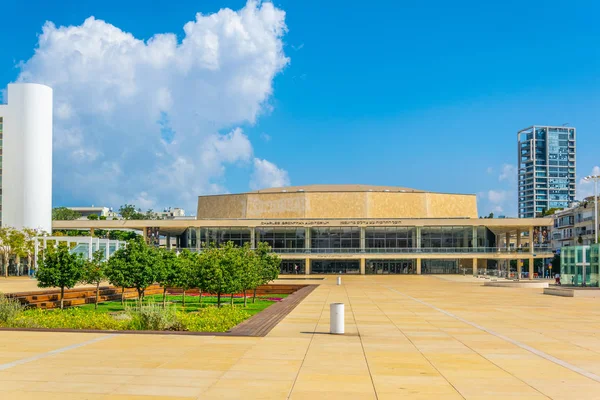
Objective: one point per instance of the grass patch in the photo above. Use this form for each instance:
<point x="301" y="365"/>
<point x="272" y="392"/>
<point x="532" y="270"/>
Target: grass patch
<point x="112" y="316"/>
<point x="192" y="303"/>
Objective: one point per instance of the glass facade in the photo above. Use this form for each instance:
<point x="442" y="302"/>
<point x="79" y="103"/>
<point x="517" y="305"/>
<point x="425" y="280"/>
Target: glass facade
<point x="282" y="238"/>
<point x="335" y="267"/>
<point x="439" y="267"/>
<point x="389" y="267"/>
<point x="390" y="237"/>
<point x="574" y="260"/>
<point x="447" y="236"/>
<point x="546" y="172"/>
<point x="292" y="267"/>
<point x="347" y="239"/>
<point x="336" y="239"/>
<point x="221" y="235"/>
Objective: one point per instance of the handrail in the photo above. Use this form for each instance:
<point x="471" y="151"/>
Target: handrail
<point x="411" y="250"/>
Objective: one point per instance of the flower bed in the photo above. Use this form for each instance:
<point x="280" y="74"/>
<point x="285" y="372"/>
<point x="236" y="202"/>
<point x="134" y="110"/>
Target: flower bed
<point x="112" y="316"/>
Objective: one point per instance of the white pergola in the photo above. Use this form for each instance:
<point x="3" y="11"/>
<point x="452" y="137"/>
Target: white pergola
<point x="85" y="245"/>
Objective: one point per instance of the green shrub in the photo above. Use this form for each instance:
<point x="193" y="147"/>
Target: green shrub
<point x="153" y="317"/>
<point x="9" y="308"/>
<point x="72" y="318"/>
<point x="212" y="319"/>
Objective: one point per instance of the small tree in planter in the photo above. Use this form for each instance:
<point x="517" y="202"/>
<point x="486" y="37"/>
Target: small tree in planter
<point x="233" y="261"/>
<point x="141" y="265"/>
<point x="268" y="266"/>
<point x="249" y="276"/>
<point x="169" y="272"/>
<point x="115" y="272"/>
<point x="60" y="268"/>
<point x="94" y="272"/>
<point x="186" y="278"/>
<point x="213" y="265"/>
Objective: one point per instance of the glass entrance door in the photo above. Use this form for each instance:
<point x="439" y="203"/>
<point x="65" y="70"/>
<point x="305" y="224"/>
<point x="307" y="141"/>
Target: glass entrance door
<point x="390" y="267"/>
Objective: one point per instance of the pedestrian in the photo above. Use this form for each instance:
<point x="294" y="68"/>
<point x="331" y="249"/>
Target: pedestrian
<point x="557" y="279"/>
<point x="296" y="268"/>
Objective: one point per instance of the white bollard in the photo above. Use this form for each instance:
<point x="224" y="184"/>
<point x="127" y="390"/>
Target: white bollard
<point x="339" y="280"/>
<point x="336" y="318"/>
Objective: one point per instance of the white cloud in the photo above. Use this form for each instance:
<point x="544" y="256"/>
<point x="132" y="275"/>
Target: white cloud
<point x="509" y="173"/>
<point x="143" y="120"/>
<point x="586" y="188"/>
<point x="490" y="170"/>
<point x="266" y="137"/>
<point x="267" y="175"/>
<point x="497" y="196"/>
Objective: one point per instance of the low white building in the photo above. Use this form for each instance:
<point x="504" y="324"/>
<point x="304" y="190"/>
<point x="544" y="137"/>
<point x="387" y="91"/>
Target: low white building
<point x="575" y="225"/>
<point x="26" y="157"/>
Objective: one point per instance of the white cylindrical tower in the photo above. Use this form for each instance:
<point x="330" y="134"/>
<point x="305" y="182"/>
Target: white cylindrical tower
<point x="27" y="157"/>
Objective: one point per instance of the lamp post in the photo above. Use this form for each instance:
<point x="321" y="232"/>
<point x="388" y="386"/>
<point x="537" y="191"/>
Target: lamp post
<point x="595" y="178"/>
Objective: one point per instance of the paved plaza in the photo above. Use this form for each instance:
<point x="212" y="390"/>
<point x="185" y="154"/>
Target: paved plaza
<point x="414" y="337"/>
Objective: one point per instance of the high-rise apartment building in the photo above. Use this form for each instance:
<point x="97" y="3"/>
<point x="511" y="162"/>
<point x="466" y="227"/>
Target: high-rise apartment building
<point x="546" y="169"/>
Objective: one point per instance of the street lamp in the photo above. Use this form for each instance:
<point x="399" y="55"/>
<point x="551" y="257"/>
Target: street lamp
<point x="595" y="178"/>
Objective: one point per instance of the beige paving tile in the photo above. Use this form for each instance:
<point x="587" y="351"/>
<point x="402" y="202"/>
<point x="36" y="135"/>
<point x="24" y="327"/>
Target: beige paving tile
<point x="395" y="347"/>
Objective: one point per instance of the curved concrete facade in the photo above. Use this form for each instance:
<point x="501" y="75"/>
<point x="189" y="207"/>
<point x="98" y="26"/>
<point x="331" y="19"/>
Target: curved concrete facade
<point x="338" y="201"/>
<point x="27" y="157"/>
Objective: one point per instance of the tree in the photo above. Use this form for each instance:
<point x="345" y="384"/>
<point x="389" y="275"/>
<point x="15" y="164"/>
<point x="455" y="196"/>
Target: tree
<point x="233" y="257"/>
<point x="141" y="265"/>
<point x="93" y="217"/>
<point x="11" y="242"/>
<point x="268" y="265"/>
<point x="64" y="214"/>
<point x="128" y="211"/>
<point x="60" y="268"/>
<point x="168" y="276"/>
<point x="249" y="277"/>
<point x="29" y="248"/>
<point x="215" y="279"/>
<point x="94" y="272"/>
<point x="18" y="244"/>
<point x="115" y="272"/>
<point x="186" y="278"/>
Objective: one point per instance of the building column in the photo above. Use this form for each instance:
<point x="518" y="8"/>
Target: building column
<point x="199" y="245"/>
<point x="531" y="239"/>
<point x="362" y="239"/>
<point x="92" y="231"/>
<point x="507" y="240"/>
<point x="418" y="266"/>
<point x="363" y="262"/>
<point x="475" y="244"/>
<point x="518" y="238"/>
<point x="307" y="266"/>
<point x="168" y="241"/>
<point x="417" y="243"/>
<point x="307" y="240"/>
<point x="531" y="262"/>
<point x="475" y="267"/>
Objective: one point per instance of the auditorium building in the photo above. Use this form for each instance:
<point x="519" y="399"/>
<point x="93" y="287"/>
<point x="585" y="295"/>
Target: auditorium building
<point x="353" y="229"/>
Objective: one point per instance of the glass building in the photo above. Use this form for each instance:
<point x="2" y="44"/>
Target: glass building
<point x="580" y="264"/>
<point x="546" y="169"/>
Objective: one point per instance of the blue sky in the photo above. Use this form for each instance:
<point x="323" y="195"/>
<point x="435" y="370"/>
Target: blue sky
<point x="423" y="94"/>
